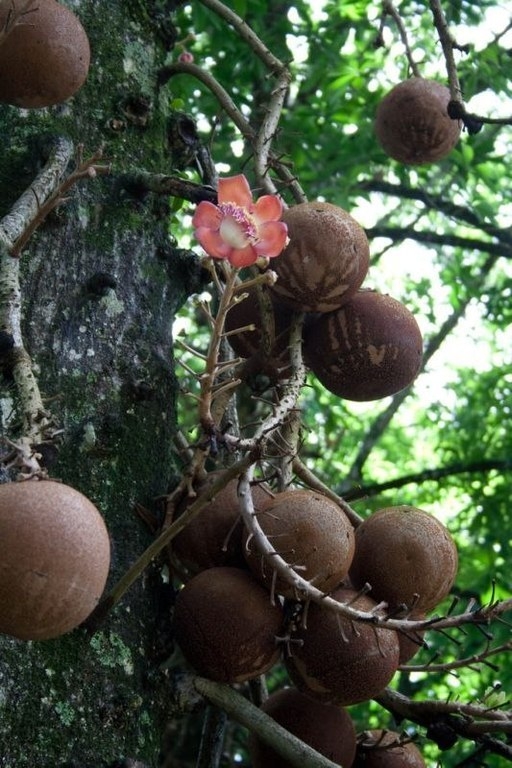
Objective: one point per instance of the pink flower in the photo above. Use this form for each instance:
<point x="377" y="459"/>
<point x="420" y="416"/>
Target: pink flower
<point x="237" y="229"/>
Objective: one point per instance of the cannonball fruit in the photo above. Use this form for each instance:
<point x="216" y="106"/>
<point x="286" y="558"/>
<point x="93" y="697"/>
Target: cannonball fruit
<point x="338" y="660"/>
<point x="247" y="343"/>
<point x="385" y="749"/>
<point x="369" y="348"/>
<point x="226" y="625"/>
<point x="325" y="261"/>
<point x="407" y="556"/>
<point x="412" y="122"/>
<point x="214" y="536"/>
<point x="311" y="533"/>
<point x="54" y="562"/>
<point x="44" y="59"/>
<point x="326" y="728"/>
<point x="411" y="640"/>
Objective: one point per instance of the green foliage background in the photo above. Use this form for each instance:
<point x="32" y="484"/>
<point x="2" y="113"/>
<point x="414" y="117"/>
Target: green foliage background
<point x="440" y="243"/>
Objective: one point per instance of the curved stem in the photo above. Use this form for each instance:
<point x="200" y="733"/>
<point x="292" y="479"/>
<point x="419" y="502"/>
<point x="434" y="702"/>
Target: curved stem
<point x="292" y="749"/>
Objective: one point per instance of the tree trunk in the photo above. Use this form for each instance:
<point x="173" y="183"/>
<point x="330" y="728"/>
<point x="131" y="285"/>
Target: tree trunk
<point x="101" y="282"/>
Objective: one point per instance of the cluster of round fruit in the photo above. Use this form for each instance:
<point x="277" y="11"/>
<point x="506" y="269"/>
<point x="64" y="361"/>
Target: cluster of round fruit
<point x="55" y="558"/>
<point x="44" y="53"/>
<point x="235" y="617"/>
<point x="330" y="730"/>
<point x="360" y="344"/>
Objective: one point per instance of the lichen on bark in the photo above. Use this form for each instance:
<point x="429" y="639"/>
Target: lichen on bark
<point x="100" y="281"/>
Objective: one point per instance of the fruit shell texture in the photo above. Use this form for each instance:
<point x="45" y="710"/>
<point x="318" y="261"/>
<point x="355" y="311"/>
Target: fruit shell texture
<point x="375" y="750"/>
<point x="324" y="727"/>
<point x="226" y="625"/>
<point x="325" y="261"/>
<point x="308" y="530"/>
<point x="341" y="661"/>
<point x="407" y="556"/>
<point x="55" y="556"/>
<point x="412" y="640"/>
<point x="45" y="57"/>
<point x="412" y="122"/>
<point x="247" y="312"/>
<point x="369" y="348"/>
<point x="214" y="537"/>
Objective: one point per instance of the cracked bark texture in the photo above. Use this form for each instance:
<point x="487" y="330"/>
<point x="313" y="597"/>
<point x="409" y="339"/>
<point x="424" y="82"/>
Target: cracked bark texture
<point x="101" y="282"/>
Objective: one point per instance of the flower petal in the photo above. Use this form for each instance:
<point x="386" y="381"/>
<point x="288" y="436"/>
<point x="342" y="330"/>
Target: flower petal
<point x="213" y="243"/>
<point x="207" y="215"/>
<point x="243" y="257"/>
<point x="268" y="208"/>
<point x="235" y="189"/>
<point x="273" y="236"/>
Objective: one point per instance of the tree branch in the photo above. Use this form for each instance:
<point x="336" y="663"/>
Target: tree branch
<point x="292" y="749"/>
<point x="175" y="186"/>
<point x="382" y="421"/>
<point x="433" y="238"/>
<point x="438" y="203"/>
<point x="447" y="44"/>
<point x="470" y="721"/>
<point x="486" y="465"/>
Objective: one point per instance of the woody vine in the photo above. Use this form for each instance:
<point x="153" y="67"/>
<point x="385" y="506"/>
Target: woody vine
<point x="247" y="244"/>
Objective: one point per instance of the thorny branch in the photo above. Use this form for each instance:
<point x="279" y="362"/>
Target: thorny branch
<point x="469" y="720"/>
<point x="254" y="447"/>
<point x="378" y="616"/>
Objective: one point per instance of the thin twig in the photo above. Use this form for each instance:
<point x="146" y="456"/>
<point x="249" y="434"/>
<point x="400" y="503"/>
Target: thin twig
<point x="390" y="10"/>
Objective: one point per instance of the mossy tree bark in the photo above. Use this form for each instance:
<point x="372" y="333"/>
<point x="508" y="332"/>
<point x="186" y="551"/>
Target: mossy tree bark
<point x="100" y="284"/>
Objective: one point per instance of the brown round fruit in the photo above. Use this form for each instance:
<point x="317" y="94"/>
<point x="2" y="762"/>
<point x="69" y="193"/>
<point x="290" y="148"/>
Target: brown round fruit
<point x="248" y="312"/>
<point x="369" y="348"/>
<point x="214" y="537"/>
<point x="413" y="125"/>
<point x="55" y="557"/>
<point x="325" y="261"/>
<point x="324" y="727"/>
<point x="311" y="533"/>
<point x="407" y="556"/>
<point x="44" y="59"/>
<point x="339" y="660"/>
<point x="226" y="625"/>
<point x="383" y="749"/>
<point x="412" y="640"/>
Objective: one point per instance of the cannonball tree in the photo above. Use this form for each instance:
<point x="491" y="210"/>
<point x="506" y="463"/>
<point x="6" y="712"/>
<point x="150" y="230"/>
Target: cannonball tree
<point x="253" y="292"/>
